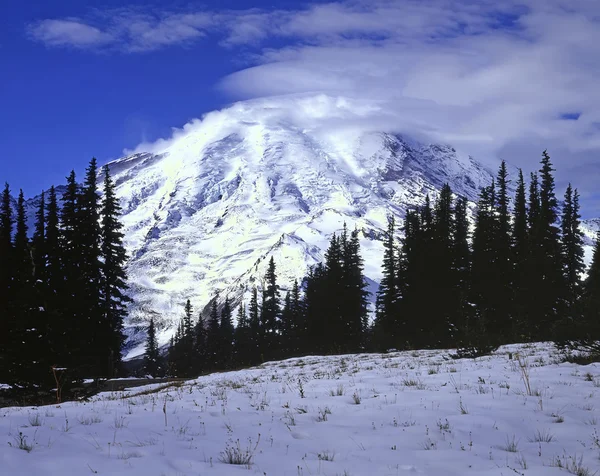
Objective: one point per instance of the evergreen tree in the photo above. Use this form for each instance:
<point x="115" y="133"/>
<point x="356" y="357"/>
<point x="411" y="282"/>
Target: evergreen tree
<point x="96" y="359"/>
<point x="572" y="251"/>
<point x="297" y="337"/>
<point x="6" y="254"/>
<point x="483" y="331"/>
<point x="442" y="276"/>
<point x="69" y="345"/>
<point x="54" y="283"/>
<point x="503" y="288"/>
<point x="226" y="335"/>
<point x="388" y="294"/>
<point x="114" y="277"/>
<point x="200" y="346"/>
<point x="461" y="266"/>
<point x="213" y="338"/>
<point x="287" y="327"/>
<point x="152" y="363"/>
<point x="254" y="329"/>
<point x="39" y="241"/>
<point x="242" y="338"/>
<point x="354" y="297"/>
<point x="269" y="316"/>
<point x="548" y="288"/>
<point x="23" y="332"/>
<point x="315" y="296"/>
<point x="521" y="260"/>
<point x="412" y="268"/>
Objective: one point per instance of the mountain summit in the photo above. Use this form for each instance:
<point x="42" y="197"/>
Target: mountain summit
<point x="205" y="210"/>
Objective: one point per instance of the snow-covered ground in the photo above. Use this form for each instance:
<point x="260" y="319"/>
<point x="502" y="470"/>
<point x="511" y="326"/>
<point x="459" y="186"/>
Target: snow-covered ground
<point x="393" y="414"/>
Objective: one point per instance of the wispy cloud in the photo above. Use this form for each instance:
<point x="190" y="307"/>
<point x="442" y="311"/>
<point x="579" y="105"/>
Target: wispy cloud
<point x="499" y="78"/>
<point x="69" y="32"/>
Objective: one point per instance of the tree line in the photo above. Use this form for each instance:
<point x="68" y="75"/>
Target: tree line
<point x="325" y="313"/>
<point x="512" y="273"/>
<point x="517" y="276"/>
<point x="62" y="300"/>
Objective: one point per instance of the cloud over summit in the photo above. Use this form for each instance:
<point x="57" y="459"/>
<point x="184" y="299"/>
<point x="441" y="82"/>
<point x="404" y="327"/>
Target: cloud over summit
<point x="504" y="79"/>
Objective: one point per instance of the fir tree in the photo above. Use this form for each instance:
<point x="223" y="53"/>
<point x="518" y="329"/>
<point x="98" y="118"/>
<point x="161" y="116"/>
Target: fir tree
<point x="572" y="251"/>
<point x="388" y="294"/>
<point x="254" y="328"/>
<point x="354" y="297"/>
<point x="213" y="338"/>
<point x="482" y="332"/>
<point x="549" y="289"/>
<point x="503" y="290"/>
<point x="6" y="269"/>
<point x="114" y="278"/>
<point x="521" y="260"/>
<point x="152" y="364"/>
<point x="54" y="285"/>
<point x="94" y="358"/>
<point x="226" y="335"/>
<point x="269" y="316"/>
<point x="200" y="351"/>
<point x="461" y="265"/>
<point x="39" y="241"/>
<point x="242" y="338"/>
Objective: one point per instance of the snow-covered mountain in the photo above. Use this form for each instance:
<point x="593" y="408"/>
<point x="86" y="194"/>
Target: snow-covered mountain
<point x="204" y="211"/>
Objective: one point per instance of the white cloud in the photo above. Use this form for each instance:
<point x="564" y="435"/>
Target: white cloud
<point x="491" y="77"/>
<point x="69" y="32"/>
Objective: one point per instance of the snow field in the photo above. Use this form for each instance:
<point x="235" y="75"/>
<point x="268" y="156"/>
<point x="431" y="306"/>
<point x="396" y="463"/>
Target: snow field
<point x="517" y="412"/>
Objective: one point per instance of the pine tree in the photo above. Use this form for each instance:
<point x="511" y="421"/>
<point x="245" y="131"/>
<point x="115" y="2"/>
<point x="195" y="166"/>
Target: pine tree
<point x="254" y="328"/>
<point x="388" y="295"/>
<point x="152" y="363"/>
<point x="442" y="277"/>
<point x="68" y="344"/>
<point x="54" y="285"/>
<point x="95" y="360"/>
<point x="269" y="317"/>
<point x="287" y="327"/>
<point x="412" y="268"/>
<point x="297" y="340"/>
<point x="213" y="338"/>
<point x="572" y="253"/>
<point x="503" y="292"/>
<point x="242" y="338"/>
<point x="461" y="266"/>
<point x="39" y="241"/>
<point x="481" y="333"/>
<point x="354" y="297"/>
<point x="200" y="350"/>
<point x="226" y="335"/>
<point x="316" y="314"/>
<point x="114" y="278"/>
<point x="6" y="256"/>
<point x="548" y="285"/>
<point x="521" y="260"/>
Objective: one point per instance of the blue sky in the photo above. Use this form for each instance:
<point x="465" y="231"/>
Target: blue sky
<point x="61" y="105"/>
<point x="495" y="79"/>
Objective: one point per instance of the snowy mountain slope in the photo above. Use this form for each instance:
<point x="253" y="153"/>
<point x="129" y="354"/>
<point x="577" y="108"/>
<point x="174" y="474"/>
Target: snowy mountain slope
<point x="205" y="211"/>
<point x="406" y="413"/>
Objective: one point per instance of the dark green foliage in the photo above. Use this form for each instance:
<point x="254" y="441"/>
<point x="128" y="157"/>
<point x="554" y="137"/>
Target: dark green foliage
<point x="270" y="314"/>
<point x="152" y="359"/>
<point x="226" y="335"/>
<point x="387" y="330"/>
<point x="114" y="277"/>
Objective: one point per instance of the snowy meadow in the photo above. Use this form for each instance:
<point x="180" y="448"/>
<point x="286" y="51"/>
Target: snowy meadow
<point x="517" y="412"/>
